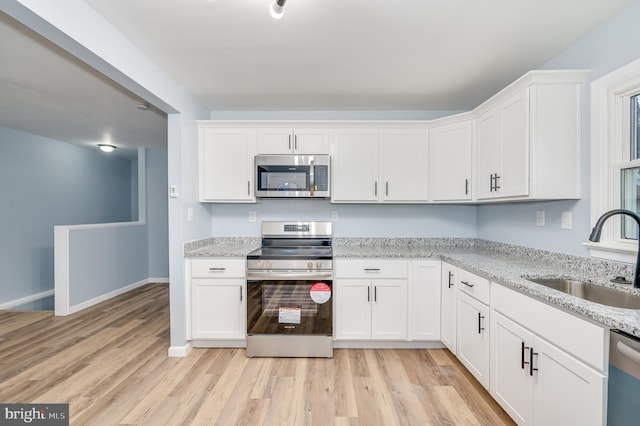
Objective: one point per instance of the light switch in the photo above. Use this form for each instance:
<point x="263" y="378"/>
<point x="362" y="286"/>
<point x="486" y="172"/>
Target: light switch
<point x="189" y="214"/>
<point x="334" y="216"/>
<point x="173" y="191"/>
<point x="565" y="220"/>
<point x="252" y="216"/>
<point x="540" y="218"/>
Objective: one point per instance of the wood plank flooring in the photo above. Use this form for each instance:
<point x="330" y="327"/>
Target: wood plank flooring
<point x="110" y="364"/>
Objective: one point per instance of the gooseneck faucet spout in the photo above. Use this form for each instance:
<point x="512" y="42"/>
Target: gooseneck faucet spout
<point x="597" y="230"/>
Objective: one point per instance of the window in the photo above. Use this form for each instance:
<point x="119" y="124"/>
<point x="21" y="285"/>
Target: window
<point x="615" y="160"/>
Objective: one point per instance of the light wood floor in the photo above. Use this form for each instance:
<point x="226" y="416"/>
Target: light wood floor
<point x="110" y="364"/>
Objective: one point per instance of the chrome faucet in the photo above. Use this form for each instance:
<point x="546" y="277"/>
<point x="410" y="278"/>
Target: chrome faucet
<point x="597" y="230"/>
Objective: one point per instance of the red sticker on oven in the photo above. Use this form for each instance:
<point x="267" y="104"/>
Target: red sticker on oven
<point x="320" y="293"/>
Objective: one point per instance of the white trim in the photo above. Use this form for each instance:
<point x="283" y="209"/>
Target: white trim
<point x="87" y="303"/>
<point x="179" y="351"/>
<point x="26" y="299"/>
<point x="158" y="280"/>
<point x="376" y="344"/>
<point x="61" y="270"/>
<point x="607" y="155"/>
<point x="219" y="343"/>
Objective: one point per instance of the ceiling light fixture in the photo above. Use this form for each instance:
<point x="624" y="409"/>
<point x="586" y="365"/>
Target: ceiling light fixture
<point x="105" y="147"/>
<point x="277" y="8"/>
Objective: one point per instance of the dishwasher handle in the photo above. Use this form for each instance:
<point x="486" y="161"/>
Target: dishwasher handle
<point x="624" y="352"/>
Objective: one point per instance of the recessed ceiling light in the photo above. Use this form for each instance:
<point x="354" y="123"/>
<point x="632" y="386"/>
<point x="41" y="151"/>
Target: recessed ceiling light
<point x="106" y="147"/>
<point x="277" y="8"/>
<point x="143" y="106"/>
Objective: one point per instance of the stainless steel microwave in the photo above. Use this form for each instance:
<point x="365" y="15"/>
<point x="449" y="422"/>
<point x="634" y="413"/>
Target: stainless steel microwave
<point x="287" y="176"/>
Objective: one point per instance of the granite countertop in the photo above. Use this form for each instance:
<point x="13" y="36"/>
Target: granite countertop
<point x="502" y="263"/>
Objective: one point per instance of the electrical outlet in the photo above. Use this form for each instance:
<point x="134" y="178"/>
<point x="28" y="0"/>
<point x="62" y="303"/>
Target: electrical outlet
<point x="334" y="216"/>
<point x="565" y="220"/>
<point x="540" y="218"/>
<point x="252" y="216"/>
<point x="189" y="214"/>
<point x="173" y="191"/>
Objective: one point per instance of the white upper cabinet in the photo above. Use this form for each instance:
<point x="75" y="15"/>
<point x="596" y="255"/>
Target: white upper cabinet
<point x="450" y="161"/>
<point x="404" y="165"/>
<point x="355" y="165"/>
<point x="303" y="141"/>
<point x="529" y="139"/>
<point x="373" y="165"/>
<point x="226" y="164"/>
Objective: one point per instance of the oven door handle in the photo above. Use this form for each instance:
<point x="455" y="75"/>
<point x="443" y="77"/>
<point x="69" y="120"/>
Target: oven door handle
<point x="265" y="275"/>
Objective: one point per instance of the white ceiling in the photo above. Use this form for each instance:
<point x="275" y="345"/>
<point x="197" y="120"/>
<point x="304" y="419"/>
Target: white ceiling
<point x="323" y="55"/>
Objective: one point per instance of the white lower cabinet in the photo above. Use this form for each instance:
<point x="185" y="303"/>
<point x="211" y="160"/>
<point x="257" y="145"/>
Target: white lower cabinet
<point x="448" y="315"/>
<point x="371" y="299"/>
<point x="218" y="297"/>
<point x="535" y="381"/>
<point x="424" y="300"/>
<point x="473" y="337"/>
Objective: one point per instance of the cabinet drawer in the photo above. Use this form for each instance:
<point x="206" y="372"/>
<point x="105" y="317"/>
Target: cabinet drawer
<point x="583" y="339"/>
<point x="214" y="268"/>
<point x="371" y="268"/>
<point x="474" y="286"/>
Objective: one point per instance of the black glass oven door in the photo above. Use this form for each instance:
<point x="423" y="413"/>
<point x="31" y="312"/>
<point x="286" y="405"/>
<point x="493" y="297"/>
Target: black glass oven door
<point x="301" y="307"/>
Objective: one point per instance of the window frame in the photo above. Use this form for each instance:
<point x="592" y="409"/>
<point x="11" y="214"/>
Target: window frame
<point x="610" y="153"/>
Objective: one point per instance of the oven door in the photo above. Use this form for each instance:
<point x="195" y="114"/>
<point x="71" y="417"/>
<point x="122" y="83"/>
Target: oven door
<point x="289" y="304"/>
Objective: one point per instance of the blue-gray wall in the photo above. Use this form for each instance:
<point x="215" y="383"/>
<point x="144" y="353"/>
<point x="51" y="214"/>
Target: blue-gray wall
<point x="157" y="212"/>
<point x="47" y="183"/>
<point x="608" y="47"/>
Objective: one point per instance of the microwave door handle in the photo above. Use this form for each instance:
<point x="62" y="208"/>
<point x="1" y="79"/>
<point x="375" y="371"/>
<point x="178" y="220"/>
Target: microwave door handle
<point x="312" y="177"/>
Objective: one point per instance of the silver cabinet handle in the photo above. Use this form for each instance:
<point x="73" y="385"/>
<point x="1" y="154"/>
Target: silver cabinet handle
<point x="480" y="327"/>
<point x="240" y="293"/>
<point x="531" y="355"/>
<point x="450" y="277"/>
<point x="248" y="187"/>
<point x="386" y="184"/>
<point x="368" y="294"/>
<point x="375" y="188"/>
<point x="295" y="142"/>
<point x="289" y="142"/>
<point x="466" y="187"/>
<point x="217" y="269"/>
<point x="371" y="269"/>
<point x="496" y="187"/>
<point x="466" y="283"/>
<point x="375" y="293"/>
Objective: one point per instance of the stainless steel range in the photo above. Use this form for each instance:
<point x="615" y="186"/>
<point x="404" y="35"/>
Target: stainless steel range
<point x="289" y="291"/>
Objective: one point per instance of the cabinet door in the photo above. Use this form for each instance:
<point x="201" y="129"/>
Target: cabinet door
<point x="450" y="161"/>
<point x="275" y="141"/>
<point x="355" y="165"/>
<point x="489" y="153"/>
<point x="218" y="309"/>
<point x="448" y="315"/>
<point x="389" y="310"/>
<point x="511" y="383"/>
<point x="226" y="165"/>
<point x="424" y="312"/>
<point x="404" y="165"/>
<point x="513" y="179"/>
<point x="473" y="337"/>
<point x="353" y="309"/>
<point x="311" y="141"/>
<point x="566" y="390"/>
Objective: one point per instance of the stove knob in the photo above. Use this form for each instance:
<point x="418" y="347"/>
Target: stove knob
<point x="319" y="264"/>
<point x="267" y="264"/>
<point x="310" y="265"/>
<point x="260" y="264"/>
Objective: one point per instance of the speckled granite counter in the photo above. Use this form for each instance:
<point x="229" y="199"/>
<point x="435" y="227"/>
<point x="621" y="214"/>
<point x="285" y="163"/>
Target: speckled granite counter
<point x="221" y="247"/>
<point x="503" y="263"/>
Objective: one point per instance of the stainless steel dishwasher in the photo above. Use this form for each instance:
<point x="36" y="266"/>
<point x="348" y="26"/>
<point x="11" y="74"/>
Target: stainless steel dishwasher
<point x="623" y="406"/>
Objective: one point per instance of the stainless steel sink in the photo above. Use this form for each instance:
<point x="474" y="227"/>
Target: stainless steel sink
<point x="591" y="292"/>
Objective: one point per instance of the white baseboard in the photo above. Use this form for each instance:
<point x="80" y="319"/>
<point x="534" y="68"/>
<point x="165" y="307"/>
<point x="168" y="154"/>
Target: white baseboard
<point x="373" y="344"/>
<point x="204" y="343"/>
<point x="24" y="300"/>
<point x="158" y="280"/>
<point x="84" y="305"/>
<point x="179" y="351"/>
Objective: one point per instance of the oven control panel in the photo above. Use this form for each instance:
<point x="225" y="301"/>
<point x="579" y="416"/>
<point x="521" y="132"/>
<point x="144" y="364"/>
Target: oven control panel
<point x="290" y="264"/>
